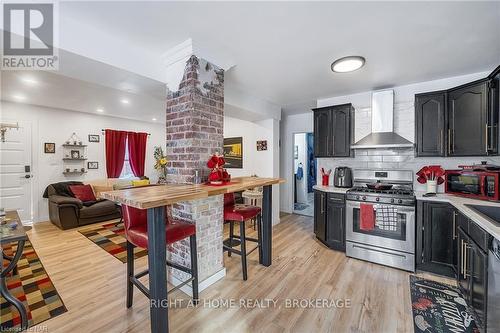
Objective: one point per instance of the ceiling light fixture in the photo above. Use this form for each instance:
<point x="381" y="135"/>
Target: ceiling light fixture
<point x="125" y="101"/>
<point x="100" y="110"/>
<point x="347" y="64"/>
<point x="154" y="119"/>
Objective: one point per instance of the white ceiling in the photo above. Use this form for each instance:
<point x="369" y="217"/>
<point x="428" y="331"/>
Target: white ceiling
<point x="283" y="50"/>
<point x="84" y="85"/>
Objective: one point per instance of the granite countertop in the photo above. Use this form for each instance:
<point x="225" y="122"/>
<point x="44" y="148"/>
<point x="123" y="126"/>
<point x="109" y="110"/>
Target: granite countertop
<point x="331" y="189"/>
<point x="460" y="204"/>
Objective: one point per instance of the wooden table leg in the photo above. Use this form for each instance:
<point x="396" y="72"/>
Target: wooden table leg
<point x="157" y="262"/>
<point x="267" y="226"/>
<point x="5" y="291"/>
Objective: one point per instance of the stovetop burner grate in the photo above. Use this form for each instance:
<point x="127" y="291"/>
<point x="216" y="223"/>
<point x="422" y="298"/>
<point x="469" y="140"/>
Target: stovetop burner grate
<point x="393" y="191"/>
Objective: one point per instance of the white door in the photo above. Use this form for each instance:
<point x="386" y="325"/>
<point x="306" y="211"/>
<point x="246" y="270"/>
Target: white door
<point x="15" y="171"/>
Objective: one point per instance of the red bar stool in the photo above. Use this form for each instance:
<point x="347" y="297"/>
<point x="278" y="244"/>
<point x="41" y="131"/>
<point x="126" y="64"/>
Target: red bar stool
<point x="136" y="232"/>
<point x="241" y="213"/>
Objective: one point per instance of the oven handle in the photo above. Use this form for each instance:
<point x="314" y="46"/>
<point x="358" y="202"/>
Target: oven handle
<point x="402" y="209"/>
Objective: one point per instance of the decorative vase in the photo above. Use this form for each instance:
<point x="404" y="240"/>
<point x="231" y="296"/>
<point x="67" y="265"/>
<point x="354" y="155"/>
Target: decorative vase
<point x="431" y="186"/>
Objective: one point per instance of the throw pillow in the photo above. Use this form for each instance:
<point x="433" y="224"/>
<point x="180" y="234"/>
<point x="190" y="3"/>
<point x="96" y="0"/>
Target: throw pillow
<point x="83" y="192"/>
<point x="141" y="182"/>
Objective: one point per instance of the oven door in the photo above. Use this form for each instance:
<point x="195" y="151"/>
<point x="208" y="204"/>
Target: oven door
<point x="398" y="236"/>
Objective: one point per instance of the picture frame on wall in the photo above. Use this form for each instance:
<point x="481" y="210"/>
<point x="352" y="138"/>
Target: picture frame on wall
<point x="75" y="154"/>
<point x="94" y="138"/>
<point x="233" y="153"/>
<point x="49" y="148"/>
<point x="92" y="165"/>
<point x="261" y="145"/>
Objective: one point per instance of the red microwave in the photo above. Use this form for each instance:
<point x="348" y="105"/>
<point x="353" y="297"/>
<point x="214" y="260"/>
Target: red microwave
<point x="482" y="185"/>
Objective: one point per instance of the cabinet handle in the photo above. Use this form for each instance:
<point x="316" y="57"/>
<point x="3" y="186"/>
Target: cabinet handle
<point x="454" y="225"/>
<point x="441" y="143"/>
<point x="449" y="140"/>
<point x="462" y="257"/>
<point x="487" y="143"/>
<point x="466" y="248"/>
<point x="322" y="204"/>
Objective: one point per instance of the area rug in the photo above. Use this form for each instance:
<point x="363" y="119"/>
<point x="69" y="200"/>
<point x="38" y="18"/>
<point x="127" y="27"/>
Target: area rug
<point x="110" y="237"/>
<point x="300" y="206"/>
<point x="439" y="308"/>
<point x="32" y="286"/>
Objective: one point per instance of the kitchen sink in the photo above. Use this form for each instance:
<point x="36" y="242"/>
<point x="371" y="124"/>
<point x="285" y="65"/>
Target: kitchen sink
<point x="492" y="213"/>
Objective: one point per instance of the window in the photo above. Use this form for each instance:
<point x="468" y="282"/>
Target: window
<point x="127" y="169"/>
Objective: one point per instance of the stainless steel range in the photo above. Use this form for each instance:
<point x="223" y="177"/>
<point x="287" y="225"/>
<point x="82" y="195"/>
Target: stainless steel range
<point x="380" y="218"/>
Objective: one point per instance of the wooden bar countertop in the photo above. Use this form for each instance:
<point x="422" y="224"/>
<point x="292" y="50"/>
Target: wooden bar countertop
<point x="163" y="195"/>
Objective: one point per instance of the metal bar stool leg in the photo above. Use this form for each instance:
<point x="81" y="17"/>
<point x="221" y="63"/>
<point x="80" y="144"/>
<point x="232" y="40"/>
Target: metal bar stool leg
<point x="194" y="267"/>
<point x="130" y="273"/>
<point x="231" y="235"/>
<point x="243" y="250"/>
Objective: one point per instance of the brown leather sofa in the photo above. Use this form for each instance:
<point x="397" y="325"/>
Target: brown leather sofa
<point x="67" y="212"/>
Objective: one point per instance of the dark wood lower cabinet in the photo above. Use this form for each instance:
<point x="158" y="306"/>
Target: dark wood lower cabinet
<point x="472" y="275"/>
<point x="449" y="244"/>
<point x="438" y="239"/>
<point x="329" y="219"/>
<point x="335" y="227"/>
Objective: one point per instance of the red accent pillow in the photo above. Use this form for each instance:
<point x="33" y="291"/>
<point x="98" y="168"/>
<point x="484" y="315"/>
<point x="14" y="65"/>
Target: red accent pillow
<point x="83" y="192"/>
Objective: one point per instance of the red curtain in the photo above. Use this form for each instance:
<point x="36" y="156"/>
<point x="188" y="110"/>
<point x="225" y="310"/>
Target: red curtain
<point x="137" y="152"/>
<point x="115" y="152"/>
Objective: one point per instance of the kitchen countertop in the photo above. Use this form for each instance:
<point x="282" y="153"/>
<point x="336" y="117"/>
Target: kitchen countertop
<point x="331" y="189"/>
<point x="460" y="204"/>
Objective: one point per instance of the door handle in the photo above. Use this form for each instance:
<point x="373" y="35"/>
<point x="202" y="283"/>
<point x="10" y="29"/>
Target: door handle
<point x="26" y="176"/>
<point x="449" y="140"/>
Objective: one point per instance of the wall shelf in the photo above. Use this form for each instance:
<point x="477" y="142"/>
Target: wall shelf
<point x="74" y="159"/>
<point x="74" y="172"/>
<point x="73" y="146"/>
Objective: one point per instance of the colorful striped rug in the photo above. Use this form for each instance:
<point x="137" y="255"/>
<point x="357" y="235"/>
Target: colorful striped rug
<point x="32" y="286"/>
<point x="109" y="237"/>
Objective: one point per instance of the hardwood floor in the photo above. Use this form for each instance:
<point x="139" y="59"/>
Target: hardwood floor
<point x="91" y="283"/>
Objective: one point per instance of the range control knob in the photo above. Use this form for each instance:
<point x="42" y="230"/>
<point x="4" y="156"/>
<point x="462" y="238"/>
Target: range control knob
<point x="392" y="200"/>
<point x="357" y="197"/>
<point x="364" y="198"/>
<point x="400" y="201"/>
<point x="377" y="199"/>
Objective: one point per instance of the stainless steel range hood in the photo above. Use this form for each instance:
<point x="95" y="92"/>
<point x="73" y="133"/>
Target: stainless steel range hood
<point x="382" y="135"/>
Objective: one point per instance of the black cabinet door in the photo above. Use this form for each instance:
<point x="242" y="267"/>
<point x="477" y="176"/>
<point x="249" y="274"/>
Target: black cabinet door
<point x="463" y="273"/>
<point x="479" y="282"/>
<point x="429" y="122"/>
<point x="467" y="120"/>
<point x="323" y="146"/>
<point x="320" y="215"/>
<point x="341" y="131"/>
<point x="335" y="226"/>
<point x="439" y="239"/>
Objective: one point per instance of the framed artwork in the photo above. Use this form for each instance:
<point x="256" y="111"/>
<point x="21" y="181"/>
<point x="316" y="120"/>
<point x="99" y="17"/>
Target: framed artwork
<point x="261" y="145"/>
<point x="94" y="138"/>
<point x="49" y="148"/>
<point x="233" y="152"/>
<point x="75" y="154"/>
<point x="92" y="165"/>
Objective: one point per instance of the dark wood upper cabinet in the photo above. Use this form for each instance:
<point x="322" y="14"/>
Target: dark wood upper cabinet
<point x="323" y="133"/>
<point x="430" y="110"/>
<point x="467" y="120"/>
<point x="333" y="131"/>
<point x="461" y="121"/>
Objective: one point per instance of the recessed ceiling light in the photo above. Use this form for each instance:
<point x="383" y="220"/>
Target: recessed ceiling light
<point x="100" y="110"/>
<point x="348" y="64"/>
<point x="29" y="80"/>
<point x="19" y="97"/>
<point x="125" y="101"/>
<point x="154" y="119"/>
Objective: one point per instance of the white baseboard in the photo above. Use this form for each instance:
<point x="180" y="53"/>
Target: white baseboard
<point x="202" y="284"/>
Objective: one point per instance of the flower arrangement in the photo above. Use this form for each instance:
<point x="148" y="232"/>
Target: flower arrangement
<point x="432" y="175"/>
<point x="161" y="164"/>
<point x="218" y="175"/>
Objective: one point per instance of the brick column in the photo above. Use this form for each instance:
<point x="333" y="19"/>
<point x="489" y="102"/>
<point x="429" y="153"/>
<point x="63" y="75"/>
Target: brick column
<point x="194" y="128"/>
